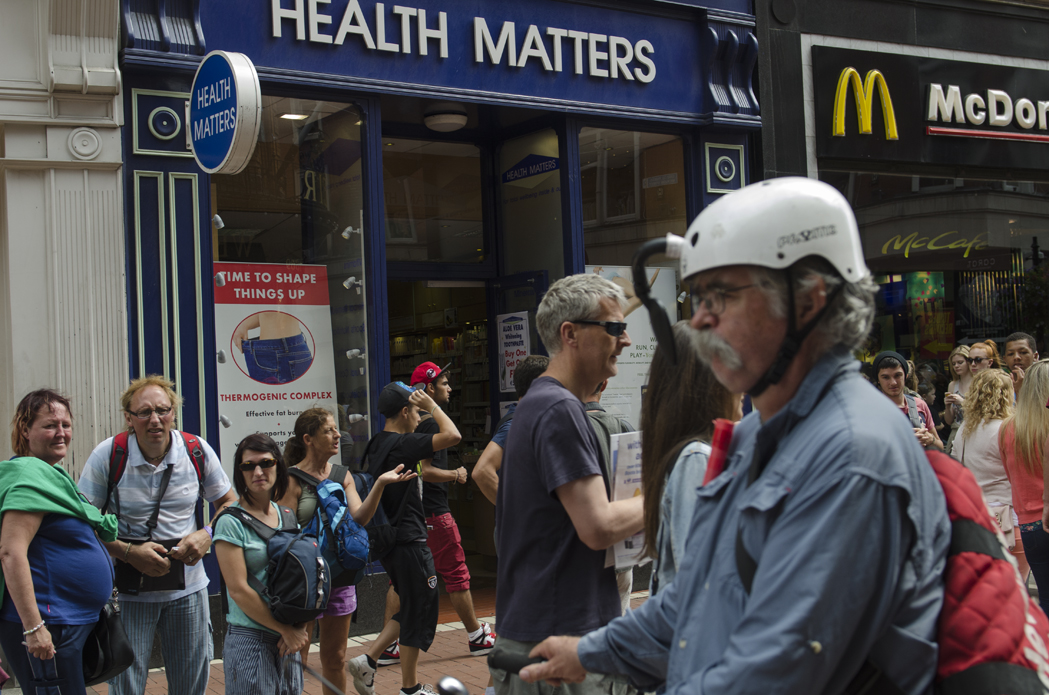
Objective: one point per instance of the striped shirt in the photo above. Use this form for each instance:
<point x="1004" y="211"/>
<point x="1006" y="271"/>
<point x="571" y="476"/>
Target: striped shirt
<point x="135" y="497"/>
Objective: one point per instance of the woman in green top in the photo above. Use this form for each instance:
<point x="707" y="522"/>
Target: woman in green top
<point x="256" y="643"/>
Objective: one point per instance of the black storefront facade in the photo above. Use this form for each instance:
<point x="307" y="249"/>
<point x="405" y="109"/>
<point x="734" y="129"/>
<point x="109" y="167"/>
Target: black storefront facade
<point x="931" y="119"/>
<point x="443" y="163"/>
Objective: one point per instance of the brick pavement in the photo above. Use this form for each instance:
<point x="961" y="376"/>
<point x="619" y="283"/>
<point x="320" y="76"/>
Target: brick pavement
<point x="449" y="656"/>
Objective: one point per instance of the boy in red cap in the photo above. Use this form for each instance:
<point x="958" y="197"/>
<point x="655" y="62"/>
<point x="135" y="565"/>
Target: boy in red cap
<point x="443" y="537"/>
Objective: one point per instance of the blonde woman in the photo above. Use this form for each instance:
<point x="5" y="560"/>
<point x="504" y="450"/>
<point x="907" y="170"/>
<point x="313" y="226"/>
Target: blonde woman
<point x="1024" y="443"/>
<point x="954" y="399"/>
<point x="988" y="404"/>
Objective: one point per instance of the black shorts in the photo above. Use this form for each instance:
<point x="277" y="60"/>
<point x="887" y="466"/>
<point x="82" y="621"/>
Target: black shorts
<point x="410" y="567"/>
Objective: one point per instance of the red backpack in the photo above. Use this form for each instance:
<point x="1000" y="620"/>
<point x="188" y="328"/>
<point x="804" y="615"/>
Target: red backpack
<point x="992" y="635"/>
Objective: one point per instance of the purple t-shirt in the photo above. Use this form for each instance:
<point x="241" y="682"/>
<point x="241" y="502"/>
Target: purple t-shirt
<point x="550" y="582"/>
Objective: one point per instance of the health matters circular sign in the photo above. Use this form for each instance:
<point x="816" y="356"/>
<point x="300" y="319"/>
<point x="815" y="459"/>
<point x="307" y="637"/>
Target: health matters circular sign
<point x="225" y="111"/>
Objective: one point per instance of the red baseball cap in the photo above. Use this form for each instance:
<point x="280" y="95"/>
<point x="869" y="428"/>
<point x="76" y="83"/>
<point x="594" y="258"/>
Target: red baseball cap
<point x="427" y="372"/>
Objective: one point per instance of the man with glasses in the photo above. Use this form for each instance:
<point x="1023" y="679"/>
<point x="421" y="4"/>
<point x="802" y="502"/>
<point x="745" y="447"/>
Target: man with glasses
<point x="817" y="547"/>
<point x="554" y="520"/>
<point x="163" y="587"/>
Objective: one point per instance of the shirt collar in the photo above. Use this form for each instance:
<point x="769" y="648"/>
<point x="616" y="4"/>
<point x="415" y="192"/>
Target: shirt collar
<point x="833" y="363"/>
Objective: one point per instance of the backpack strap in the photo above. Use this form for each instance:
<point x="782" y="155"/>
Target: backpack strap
<point x="303" y="476"/>
<point x="289" y="521"/>
<point x="912" y="411"/>
<point x="196" y="456"/>
<point x="118" y="456"/>
<point x="260" y="529"/>
<point x="338" y="474"/>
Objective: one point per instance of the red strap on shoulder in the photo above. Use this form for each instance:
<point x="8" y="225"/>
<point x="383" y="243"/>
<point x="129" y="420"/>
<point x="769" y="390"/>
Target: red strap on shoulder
<point x="118" y="457"/>
<point x="196" y="454"/>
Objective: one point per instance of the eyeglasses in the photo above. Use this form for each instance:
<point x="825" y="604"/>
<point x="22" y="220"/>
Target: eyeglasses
<point x="977" y="360"/>
<point x="147" y="413"/>
<point x="613" y="328"/>
<point x="713" y="298"/>
<point x="249" y="466"/>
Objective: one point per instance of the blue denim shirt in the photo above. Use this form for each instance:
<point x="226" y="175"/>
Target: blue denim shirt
<point x="675" y="513"/>
<point x="849" y="528"/>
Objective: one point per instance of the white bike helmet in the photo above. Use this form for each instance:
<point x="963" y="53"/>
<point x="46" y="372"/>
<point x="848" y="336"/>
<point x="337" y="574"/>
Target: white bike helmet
<point x="773" y="224"/>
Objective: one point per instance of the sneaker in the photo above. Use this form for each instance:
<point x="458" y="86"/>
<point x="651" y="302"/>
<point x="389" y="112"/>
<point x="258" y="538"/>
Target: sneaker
<point x="484" y="643"/>
<point x="390" y="656"/>
<point x="363" y="674"/>
<point x="426" y="689"/>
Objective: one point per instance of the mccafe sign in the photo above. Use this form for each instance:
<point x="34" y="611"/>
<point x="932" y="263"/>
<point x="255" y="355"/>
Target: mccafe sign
<point x="895" y="108"/>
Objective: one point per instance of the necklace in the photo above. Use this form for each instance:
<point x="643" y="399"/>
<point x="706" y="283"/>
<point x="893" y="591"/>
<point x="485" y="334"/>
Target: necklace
<point x="157" y="459"/>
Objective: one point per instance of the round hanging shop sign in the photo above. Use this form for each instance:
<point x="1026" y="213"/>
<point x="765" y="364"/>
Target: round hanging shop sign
<point x="225" y="111"/>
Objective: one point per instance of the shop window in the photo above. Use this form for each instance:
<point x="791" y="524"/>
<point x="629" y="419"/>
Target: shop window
<point x="633" y="190"/>
<point x="530" y="204"/>
<point x="956" y="259"/>
<point x="433" y="201"/>
<point x="290" y="302"/>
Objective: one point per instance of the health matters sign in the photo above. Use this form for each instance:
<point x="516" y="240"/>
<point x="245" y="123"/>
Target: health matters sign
<point x="890" y="107"/>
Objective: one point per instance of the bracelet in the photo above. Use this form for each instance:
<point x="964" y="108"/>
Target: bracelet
<point x="434" y="408"/>
<point x="127" y="551"/>
<point x="211" y="532"/>
<point x="29" y="632"/>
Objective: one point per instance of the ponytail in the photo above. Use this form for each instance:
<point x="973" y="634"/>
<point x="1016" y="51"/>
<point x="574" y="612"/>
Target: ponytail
<point x="294" y="450"/>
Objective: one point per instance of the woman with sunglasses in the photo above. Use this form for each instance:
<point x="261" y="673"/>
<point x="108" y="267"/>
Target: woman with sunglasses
<point x="314" y="444"/>
<point x="954" y="399"/>
<point x="256" y="643"/>
<point x="984" y="356"/>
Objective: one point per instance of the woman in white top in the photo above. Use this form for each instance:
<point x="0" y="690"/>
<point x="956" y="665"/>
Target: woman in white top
<point x="954" y="399"/>
<point x="988" y="403"/>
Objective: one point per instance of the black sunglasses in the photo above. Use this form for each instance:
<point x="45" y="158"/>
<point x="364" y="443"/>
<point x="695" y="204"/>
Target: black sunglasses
<point x="613" y="328"/>
<point x="249" y="466"/>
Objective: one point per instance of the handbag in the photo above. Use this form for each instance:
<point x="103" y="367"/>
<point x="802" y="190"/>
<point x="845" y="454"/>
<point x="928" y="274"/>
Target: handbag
<point x="107" y="652"/>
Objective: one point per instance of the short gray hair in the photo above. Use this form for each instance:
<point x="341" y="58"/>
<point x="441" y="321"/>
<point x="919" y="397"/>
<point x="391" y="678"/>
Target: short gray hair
<point x="569" y="299"/>
<point x="847" y="321"/>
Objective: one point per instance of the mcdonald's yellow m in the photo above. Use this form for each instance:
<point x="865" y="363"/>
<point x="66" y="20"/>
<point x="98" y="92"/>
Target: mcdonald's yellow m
<point x="864" y="94"/>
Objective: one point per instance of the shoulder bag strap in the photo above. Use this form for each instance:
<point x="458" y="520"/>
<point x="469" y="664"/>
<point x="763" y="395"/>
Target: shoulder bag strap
<point x="152" y="523"/>
<point x="196" y="456"/>
<point x="303" y="476"/>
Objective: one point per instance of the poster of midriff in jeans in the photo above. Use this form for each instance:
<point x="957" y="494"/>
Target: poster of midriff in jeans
<point x="273" y="328"/>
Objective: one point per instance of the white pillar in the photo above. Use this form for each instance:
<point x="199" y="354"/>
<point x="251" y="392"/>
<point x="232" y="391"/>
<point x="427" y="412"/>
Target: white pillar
<point x="63" y="304"/>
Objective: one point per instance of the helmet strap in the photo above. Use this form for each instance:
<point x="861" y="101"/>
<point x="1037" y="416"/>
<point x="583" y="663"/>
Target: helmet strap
<point x="791" y="344"/>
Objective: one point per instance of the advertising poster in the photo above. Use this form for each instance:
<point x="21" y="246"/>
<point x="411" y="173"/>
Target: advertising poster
<point x="623" y="395"/>
<point x="513" y="346"/>
<point x="626" y="483"/>
<point x="273" y="325"/>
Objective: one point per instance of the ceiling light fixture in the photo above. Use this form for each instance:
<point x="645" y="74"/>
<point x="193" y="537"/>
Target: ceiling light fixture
<point x="445" y="116"/>
<point x="294" y="116"/>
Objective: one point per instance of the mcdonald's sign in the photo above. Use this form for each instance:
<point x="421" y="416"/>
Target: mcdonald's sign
<point x="863" y="91"/>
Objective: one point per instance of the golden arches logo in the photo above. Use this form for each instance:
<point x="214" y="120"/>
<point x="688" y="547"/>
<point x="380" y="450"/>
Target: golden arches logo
<point x="864" y="94"/>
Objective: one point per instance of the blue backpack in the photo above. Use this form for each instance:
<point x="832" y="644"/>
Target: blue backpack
<point x="343" y="541"/>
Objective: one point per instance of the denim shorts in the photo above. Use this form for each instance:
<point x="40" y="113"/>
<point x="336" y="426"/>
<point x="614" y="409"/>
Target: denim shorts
<point x="278" y="360"/>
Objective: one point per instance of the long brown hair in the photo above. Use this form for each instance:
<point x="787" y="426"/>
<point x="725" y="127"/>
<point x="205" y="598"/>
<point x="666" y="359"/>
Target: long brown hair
<point x="309" y="422"/>
<point x="681" y="403"/>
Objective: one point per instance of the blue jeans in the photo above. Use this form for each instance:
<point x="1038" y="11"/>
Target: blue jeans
<point x="62" y="675"/>
<point x="1036" y="545"/>
<point x="184" y="626"/>
<point x="278" y="360"/>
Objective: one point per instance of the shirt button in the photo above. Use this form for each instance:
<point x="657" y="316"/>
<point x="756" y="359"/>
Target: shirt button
<point x="816" y="647"/>
<point x="682" y="644"/>
<point x="706" y="587"/>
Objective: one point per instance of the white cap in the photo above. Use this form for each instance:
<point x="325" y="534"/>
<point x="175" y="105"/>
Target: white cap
<point x="774" y="224"/>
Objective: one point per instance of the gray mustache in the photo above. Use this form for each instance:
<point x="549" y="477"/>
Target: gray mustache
<point x="709" y="346"/>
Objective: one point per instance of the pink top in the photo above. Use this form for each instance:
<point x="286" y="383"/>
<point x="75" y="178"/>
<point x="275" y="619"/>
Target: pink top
<point x="1027" y="487"/>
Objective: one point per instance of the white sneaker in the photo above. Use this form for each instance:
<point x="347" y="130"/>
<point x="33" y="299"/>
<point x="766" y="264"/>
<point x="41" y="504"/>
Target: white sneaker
<point x="427" y="689"/>
<point x="363" y="674"/>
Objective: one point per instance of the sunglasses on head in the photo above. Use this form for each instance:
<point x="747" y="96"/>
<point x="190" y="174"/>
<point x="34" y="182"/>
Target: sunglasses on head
<point x="249" y="466"/>
<point x="613" y="328"/>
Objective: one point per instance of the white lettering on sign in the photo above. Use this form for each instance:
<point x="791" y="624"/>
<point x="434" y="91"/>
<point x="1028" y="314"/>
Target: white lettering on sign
<point x="615" y="62"/>
<point x="214" y="124"/>
<point x="210" y="93"/>
<point x="998" y="109"/>
<point x="592" y="54"/>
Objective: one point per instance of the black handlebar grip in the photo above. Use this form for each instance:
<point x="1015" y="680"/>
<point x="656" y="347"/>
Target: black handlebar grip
<point x="512" y="663"/>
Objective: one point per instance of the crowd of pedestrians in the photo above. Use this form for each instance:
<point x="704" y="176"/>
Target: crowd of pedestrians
<point x="798" y="549"/>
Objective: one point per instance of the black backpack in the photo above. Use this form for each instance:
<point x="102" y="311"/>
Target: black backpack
<point x="298" y="583"/>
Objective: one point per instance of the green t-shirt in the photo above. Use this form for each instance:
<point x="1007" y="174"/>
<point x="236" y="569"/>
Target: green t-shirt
<point x="231" y="530"/>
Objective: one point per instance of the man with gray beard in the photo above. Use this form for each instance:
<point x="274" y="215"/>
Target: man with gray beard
<point x="814" y="559"/>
